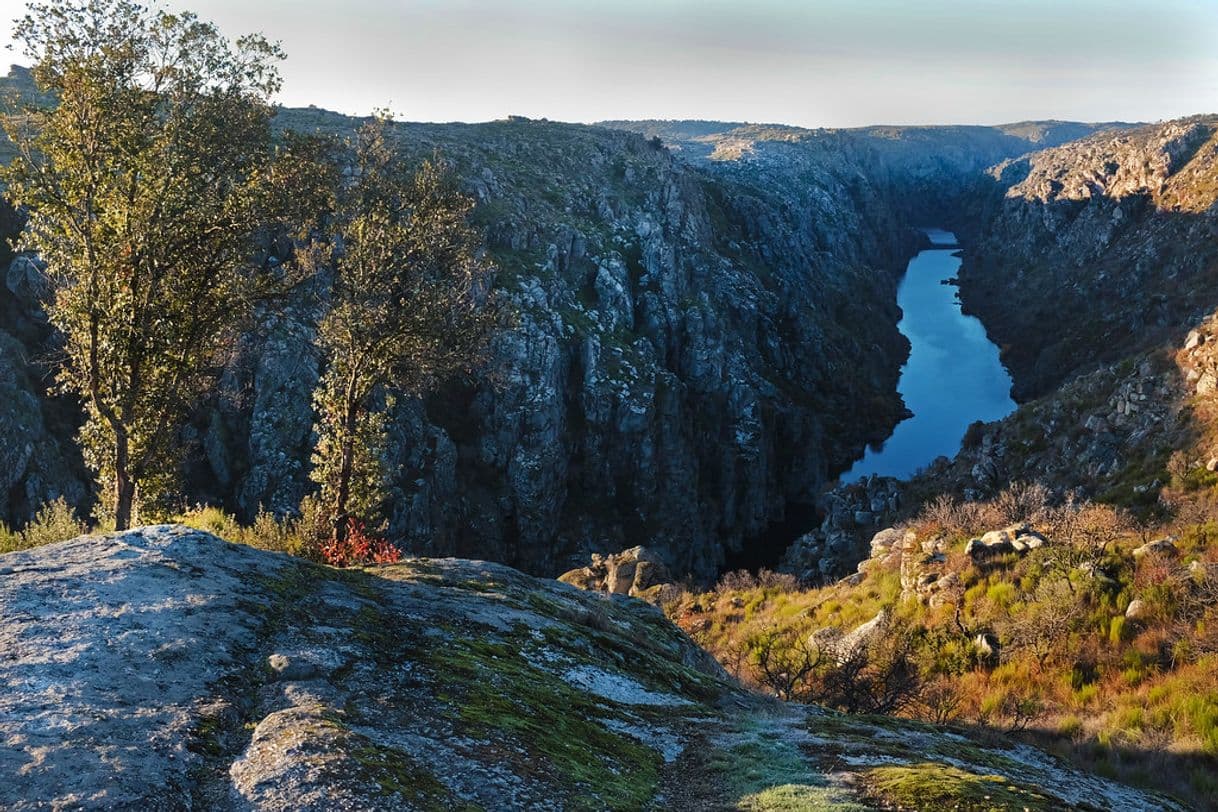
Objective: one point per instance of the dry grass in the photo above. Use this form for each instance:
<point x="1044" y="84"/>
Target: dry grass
<point x="1134" y="698"/>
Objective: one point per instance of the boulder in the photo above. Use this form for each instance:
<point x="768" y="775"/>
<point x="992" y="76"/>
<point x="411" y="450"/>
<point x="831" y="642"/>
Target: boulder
<point x="883" y="541"/>
<point x="987" y="647"/>
<point x="1017" y="538"/>
<point x="1163" y="546"/>
<point x="291" y="669"/>
<point x="1096" y="424"/>
<point x="844" y="646"/>
<point x="631" y="572"/>
<point x="1136" y="609"/>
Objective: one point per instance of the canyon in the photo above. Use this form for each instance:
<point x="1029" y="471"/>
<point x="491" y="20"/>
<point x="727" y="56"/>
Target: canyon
<point x="706" y="338"/>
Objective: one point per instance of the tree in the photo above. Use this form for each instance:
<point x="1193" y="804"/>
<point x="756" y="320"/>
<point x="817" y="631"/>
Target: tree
<point x="148" y="184"/>
<point x="1084" y="534"/>
<point x="409" y="306"/>
<point x="784" y="660"/>
<point x="880" y="675"/>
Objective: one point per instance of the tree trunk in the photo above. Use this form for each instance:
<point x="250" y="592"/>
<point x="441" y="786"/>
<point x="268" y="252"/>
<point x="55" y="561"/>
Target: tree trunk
<point x="124" y="487"/>
<point x="345" y="470"/>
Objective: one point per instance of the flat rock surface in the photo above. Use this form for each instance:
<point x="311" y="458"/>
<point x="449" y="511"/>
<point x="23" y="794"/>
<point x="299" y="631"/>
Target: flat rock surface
<point x="107" y="645"/>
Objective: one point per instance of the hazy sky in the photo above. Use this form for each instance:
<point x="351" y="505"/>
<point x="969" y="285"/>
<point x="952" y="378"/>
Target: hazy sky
<point x="808" y="62"/>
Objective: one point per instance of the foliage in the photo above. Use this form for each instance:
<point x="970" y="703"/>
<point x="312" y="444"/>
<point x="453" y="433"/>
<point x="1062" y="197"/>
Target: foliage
<point x="357" y="548"/>
<point x="301" y="535"/>
<point x="409" y="306"/>
<point x="55" y="521"/>
<point x="148" y="184"/>
<point x="296" y="535"/>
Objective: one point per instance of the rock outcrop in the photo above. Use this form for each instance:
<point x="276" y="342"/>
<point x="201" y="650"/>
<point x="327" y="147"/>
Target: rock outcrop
<point x="166" y="669"/>
<point x="1018" y="538"/>
<point x="636" y="572"/>
<point x="1163" y="547"/>
<point x="844" y="646"/>
<point x="851" y="513"/>
<point x="922" y="564"/>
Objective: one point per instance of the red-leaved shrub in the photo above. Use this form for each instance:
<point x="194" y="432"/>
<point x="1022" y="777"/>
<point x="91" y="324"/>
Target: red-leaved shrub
<point x="358" y="547"/>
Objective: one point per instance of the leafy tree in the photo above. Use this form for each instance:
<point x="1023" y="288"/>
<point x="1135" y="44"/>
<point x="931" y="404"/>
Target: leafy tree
<point x="149" y="184"/>
<point x="409" y="307"/>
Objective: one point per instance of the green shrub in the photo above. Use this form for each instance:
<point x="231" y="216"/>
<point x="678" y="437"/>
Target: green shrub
<point x="9" y="539"/>
<point x="296" y="536"/>
<point x="1198" y="479"/>
<point x="1070" y="726"/>
<point x="1201" y="712"/>
<point x="1086" y="694"/>
<point x="55" y="521"/>
<point x="1002" y="594"/>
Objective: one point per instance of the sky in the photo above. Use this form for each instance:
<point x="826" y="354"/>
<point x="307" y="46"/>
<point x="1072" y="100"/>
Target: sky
<point x="805" y="62"/>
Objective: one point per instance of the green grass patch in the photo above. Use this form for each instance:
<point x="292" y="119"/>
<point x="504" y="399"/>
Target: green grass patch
<point x="493" y="690"/>
<point x="937" y="786"/>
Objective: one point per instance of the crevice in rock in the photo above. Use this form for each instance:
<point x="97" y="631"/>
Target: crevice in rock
<point x="766" y="549"/>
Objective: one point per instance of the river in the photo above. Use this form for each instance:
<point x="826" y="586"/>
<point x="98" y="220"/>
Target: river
<point x="953" y="376"/>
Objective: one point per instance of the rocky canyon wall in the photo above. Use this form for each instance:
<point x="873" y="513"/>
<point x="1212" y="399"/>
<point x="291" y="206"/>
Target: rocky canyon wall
<point x="704" y="338"/>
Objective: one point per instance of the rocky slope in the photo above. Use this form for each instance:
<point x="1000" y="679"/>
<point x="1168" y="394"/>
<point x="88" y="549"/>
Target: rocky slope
<point x="928" y="168"/>
<point x="1086" y="253"/>
<point x="164" y="669"/>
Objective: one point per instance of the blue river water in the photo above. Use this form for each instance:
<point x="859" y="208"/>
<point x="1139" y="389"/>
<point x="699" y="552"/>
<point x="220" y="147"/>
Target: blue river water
<point x="953" y="376"/>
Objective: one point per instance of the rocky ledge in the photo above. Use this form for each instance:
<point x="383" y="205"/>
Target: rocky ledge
<point x="164" y="668"/>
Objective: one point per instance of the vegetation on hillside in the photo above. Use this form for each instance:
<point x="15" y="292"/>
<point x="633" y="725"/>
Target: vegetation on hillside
<point x="1098" y="644"/>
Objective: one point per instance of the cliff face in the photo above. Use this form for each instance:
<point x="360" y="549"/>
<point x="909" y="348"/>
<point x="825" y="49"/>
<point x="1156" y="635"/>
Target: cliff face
<point x="1091" y="251"/>
<point x="690" y="358"/>
<point x="38" y="462"/>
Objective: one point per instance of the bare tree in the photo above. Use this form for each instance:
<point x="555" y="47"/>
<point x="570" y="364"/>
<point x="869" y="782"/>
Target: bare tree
<point x="784" y="660"/>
